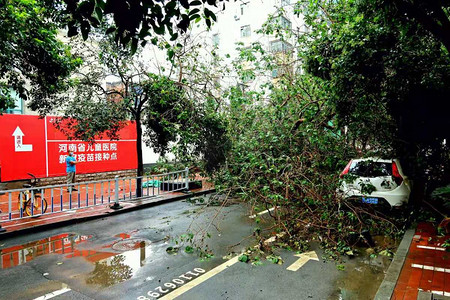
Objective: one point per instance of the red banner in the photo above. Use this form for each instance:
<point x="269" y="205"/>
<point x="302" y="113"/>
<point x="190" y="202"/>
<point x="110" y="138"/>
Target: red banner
<point x="30" y="144"/>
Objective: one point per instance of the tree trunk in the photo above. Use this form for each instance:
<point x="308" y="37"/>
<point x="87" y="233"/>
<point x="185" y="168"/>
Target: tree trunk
<point x="140" y="162"/>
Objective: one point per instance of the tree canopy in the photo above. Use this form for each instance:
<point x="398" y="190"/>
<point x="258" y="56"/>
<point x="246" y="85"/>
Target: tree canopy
<point x="169" y="115"/>
<point x="388" y="79"/>
<point x="372" y="83"/>
<point x="33" y="62"/>
<point x="134" y="22"/>
<point x="431" y="15"/>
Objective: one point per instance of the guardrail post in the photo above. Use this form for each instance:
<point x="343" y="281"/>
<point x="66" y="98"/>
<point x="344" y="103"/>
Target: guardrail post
<point x="187" y="179"/>
<point x="116" y="204"/>
<point x="9" y="213"/>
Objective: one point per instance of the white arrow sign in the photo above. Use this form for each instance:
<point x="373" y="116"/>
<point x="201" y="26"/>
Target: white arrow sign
<point x="304" y="258"/>
<point x="18" y="141"/>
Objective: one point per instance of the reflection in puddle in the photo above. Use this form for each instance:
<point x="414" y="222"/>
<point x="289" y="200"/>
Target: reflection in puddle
<point x="59" y="244"/>
<point x="360" y="279"/>
<point x="364" y="273"/>
<point x="120" y="262"/>
<point x="359" y="283"/>
<point x="120" y="267"/>
<point x="110" y="272"/>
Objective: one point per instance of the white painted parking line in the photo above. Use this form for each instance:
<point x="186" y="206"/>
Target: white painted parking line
<point x="431" y="248"/>
<point x="261" y="213"/>
<point x="169" y="295"/>
<point x="191" y="284"/>
<point x="53" y="294"/>
<point x="173" y="284"/>
<point x="441" y="293"/>
<point x="431" y="268"/>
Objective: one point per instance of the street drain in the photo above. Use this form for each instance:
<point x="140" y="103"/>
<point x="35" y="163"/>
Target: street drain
<point x="130" y="244"/>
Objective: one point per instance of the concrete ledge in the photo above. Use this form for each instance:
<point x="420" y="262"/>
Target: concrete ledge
<point x="37" y="228"/>
<point x="386" y="288"/>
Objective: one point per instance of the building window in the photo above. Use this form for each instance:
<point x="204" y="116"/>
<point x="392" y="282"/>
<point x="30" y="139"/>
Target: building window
<point x="279" y="46"/>
<point x="215" y="40"/>
<point x="243" y="7"/>
<point x="285" y="2"/>
<point x="285" y="23"/>
<point x="18" y="104"/>
<point x="281" y="71"/>
<point x="245" y="31"/>
<point x="274" y="73"/>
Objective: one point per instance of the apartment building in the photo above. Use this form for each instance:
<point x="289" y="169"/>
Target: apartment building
<point x="238" y="27"/>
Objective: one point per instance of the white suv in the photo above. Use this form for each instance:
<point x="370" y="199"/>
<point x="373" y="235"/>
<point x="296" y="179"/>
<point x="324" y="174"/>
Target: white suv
<point x="376" y="181"/>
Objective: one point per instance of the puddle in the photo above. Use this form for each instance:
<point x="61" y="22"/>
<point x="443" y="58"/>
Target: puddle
<point x="115" y="268"/>
<point x="358" y="281"/>
<point x="363" y="274"/>
<point x="114" y="263"/>
<point x="120" y="262"/>
<point x="59" y="244"/>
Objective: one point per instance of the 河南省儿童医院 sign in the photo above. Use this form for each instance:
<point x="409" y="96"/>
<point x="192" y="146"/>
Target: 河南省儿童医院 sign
<point x="30" y="144"/>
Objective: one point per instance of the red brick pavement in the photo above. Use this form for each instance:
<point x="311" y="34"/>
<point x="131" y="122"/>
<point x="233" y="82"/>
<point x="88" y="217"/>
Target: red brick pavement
<point x="426" y="267"/>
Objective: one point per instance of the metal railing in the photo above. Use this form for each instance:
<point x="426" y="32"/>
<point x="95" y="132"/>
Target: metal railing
<point x="31" y="202"/>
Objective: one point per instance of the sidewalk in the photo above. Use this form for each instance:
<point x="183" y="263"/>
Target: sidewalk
<point x="427" y="267"/>
<point x="420" y="269"/>
<point x="57" y="219"/>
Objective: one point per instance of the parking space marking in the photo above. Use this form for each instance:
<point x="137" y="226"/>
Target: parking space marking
<point x="173" y="284"/>
<point x="431" y="268"/>
<point x="191" y="284"/>
<point x="431" y="248"/>
<point x="177" y="291"/>
<point x="53" y="294"/>
<point x="441" y="293"/>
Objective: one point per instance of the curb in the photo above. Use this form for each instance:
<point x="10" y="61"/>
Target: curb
<point x="386" y="288"/>
<point x="62" y="223"/>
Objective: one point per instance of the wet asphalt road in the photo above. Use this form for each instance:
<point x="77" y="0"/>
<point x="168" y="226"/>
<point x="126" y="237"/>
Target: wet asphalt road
<point x="125" y="257"/>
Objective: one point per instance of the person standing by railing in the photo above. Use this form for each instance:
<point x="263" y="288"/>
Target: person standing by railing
<point x="71" y="170"/>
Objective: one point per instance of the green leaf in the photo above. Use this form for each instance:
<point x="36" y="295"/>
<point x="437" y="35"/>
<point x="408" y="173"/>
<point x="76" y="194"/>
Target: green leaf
<point x="209" y="14"/>
<point x="72" y="31"/>
<point x="243" y="258"/>
<point x="99" y="13"/>
<point x="170" y="53"/>
<point x="193" y="17"/>
<point x="110" y="30"/>
<point x="134" y="45"/>
<point x="194" y="11"/>
<point x="159" y="29"/>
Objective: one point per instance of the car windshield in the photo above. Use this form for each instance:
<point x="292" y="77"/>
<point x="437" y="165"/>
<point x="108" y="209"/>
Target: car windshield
<point x="370" y="168"/>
